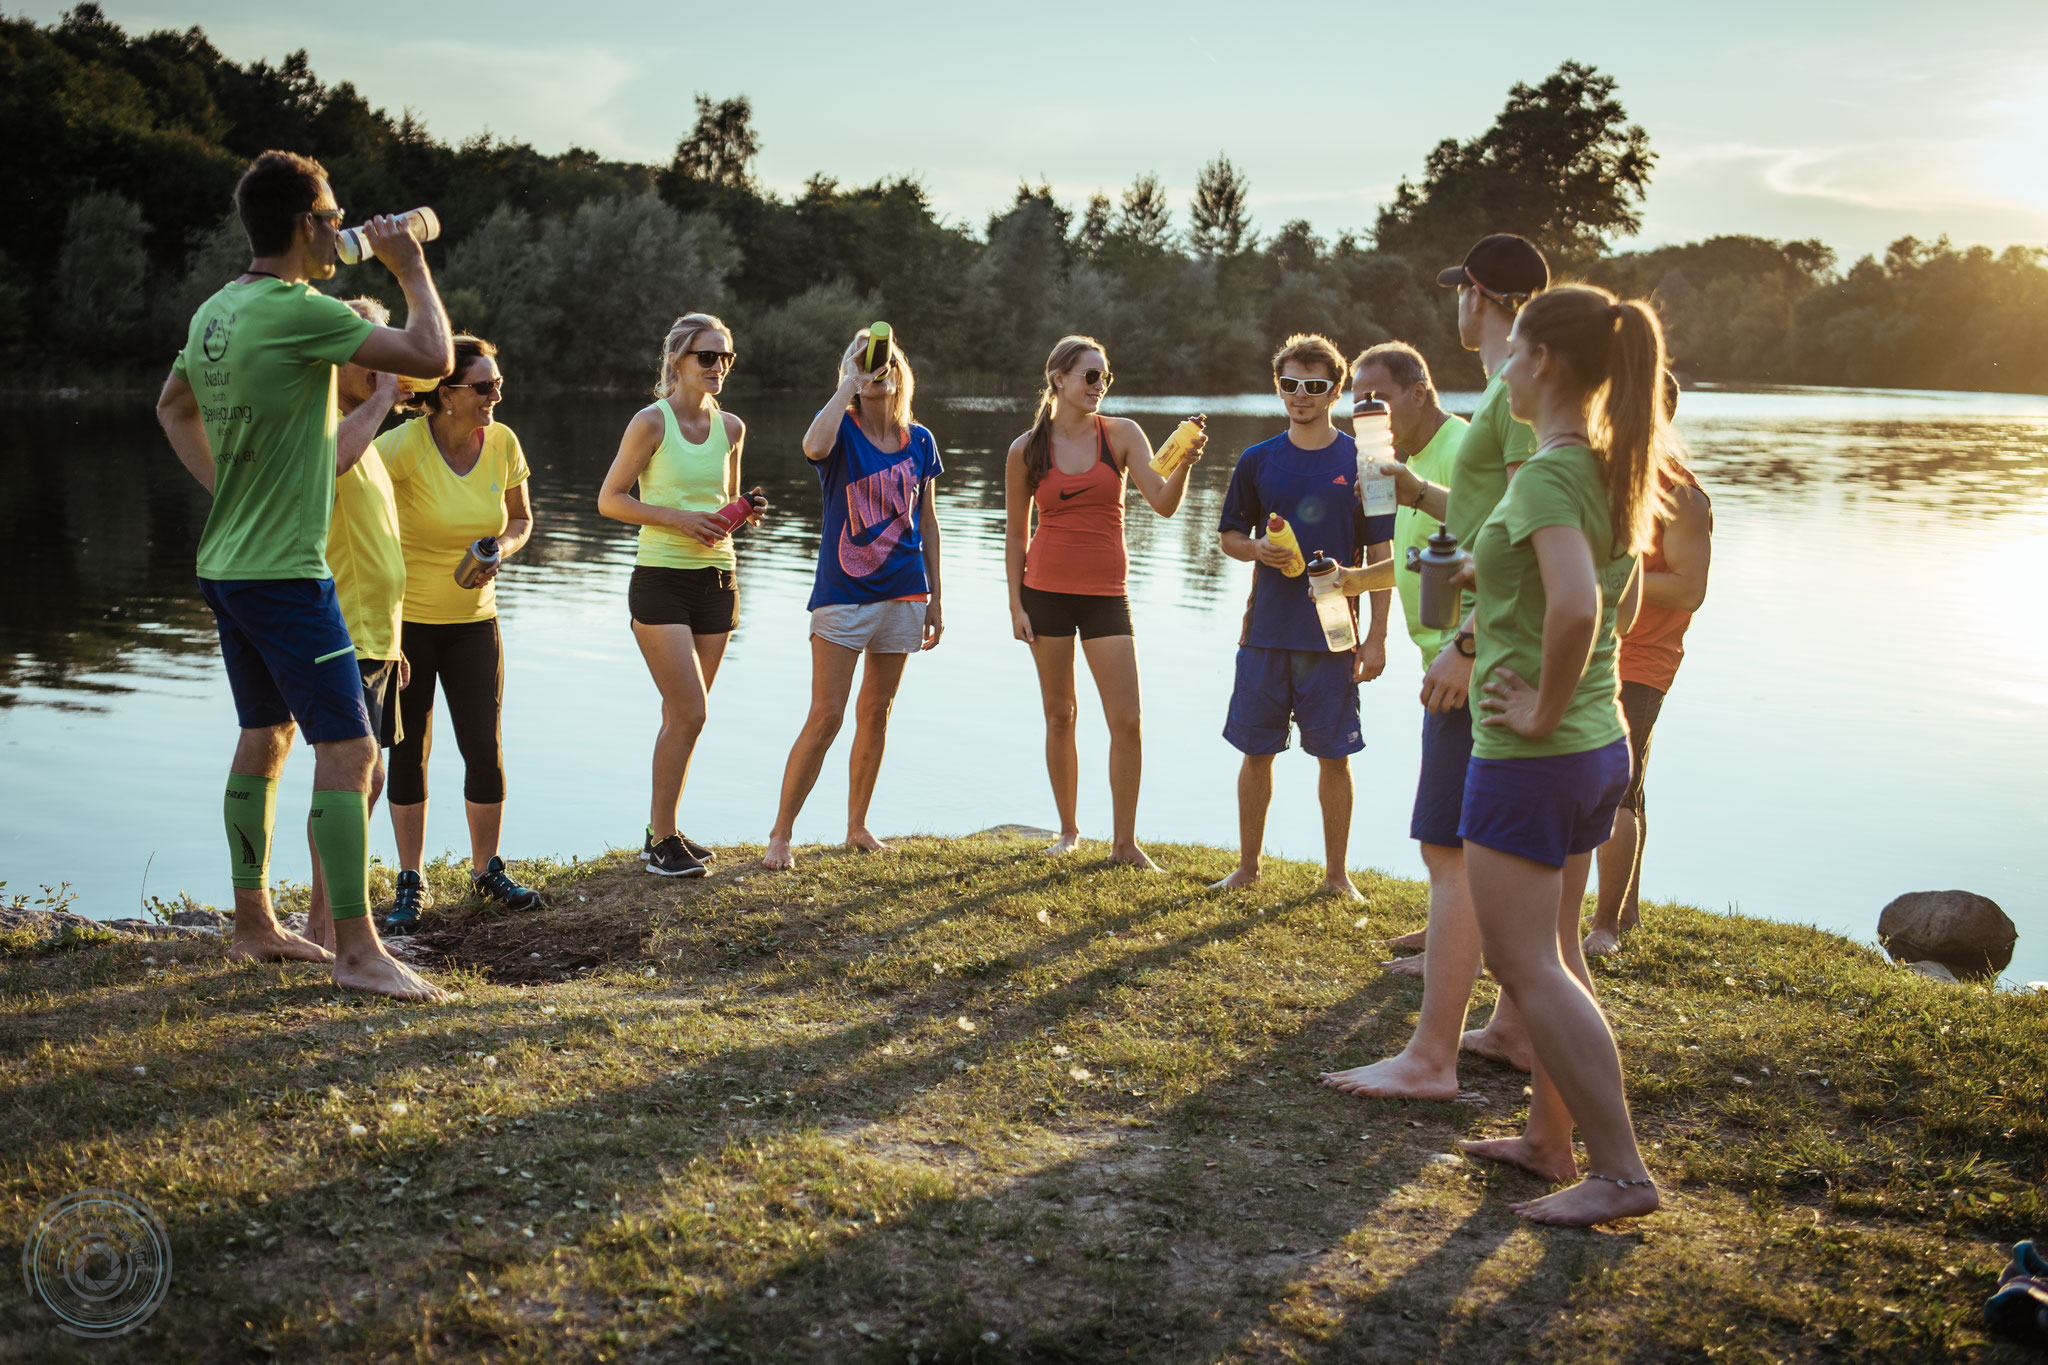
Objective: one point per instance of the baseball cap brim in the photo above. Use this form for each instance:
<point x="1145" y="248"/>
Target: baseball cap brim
<point x="1453" y="277"/>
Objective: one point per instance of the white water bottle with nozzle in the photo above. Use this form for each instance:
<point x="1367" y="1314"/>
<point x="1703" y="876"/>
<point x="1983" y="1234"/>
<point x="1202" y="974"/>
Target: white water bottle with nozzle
<point x="1333" y="608"/>
<point x="1372" y="426"/>
<point x="352" y="245"/>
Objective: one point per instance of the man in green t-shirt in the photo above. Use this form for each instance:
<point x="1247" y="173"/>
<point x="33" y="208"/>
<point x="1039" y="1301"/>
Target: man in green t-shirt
<point x="250" y="410"/>
<point x="1499" y="275"/>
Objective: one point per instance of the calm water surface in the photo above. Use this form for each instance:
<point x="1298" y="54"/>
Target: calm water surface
<point x="1861" y="710"/>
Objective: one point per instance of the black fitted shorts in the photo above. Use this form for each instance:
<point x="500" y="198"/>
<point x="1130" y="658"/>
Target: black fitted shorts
<point x="1640" y="704"/>
<point x="705" y="600"/>
<point x="1060" y="614"/>
<point x="380" y="699"/>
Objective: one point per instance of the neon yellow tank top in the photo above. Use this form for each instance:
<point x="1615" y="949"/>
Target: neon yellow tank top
<point x="690" y="478"/>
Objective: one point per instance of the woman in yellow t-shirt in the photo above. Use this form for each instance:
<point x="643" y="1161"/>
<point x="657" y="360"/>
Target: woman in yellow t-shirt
<point x="459" y="476"/>
<point x="683" y="453"/>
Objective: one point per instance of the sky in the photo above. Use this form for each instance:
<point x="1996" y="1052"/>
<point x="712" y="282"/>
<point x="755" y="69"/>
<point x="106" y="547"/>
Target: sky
<point x="1857" y="123"/>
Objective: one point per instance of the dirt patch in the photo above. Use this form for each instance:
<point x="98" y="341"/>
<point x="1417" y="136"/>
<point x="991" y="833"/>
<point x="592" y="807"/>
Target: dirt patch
<point x="539" y="947"/>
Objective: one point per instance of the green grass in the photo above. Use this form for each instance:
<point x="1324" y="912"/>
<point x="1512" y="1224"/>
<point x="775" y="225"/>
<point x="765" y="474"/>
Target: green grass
<point x="966" y="1103"/>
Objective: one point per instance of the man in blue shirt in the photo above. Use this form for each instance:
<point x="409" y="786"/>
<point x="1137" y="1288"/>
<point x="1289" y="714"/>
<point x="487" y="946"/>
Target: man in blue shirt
<point x="1286" y="671"/>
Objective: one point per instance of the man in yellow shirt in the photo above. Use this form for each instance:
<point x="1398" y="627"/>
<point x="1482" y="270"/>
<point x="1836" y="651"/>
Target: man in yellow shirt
<point x="369" y="569"/>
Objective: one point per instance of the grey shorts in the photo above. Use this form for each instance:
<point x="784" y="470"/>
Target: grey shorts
<point x="877" y="627"/>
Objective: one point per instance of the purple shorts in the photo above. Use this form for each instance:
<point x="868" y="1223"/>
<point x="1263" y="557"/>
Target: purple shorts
<point x="1545" y="809"/>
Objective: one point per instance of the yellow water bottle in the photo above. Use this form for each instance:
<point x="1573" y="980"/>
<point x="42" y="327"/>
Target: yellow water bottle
<point x="877" y="353"/>
<point x="1178" y="446"/>
<point x="1281" y="534"/>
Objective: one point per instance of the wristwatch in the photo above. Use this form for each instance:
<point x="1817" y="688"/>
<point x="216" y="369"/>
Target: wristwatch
<point x="1466" y="647"/>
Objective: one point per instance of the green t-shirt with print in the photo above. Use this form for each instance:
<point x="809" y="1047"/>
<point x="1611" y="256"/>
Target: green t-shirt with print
<point x="1413" y="527"/>
<point x="1493" y="443"/>
<point x="1560" y="487"/>
<point x="260" y="358"/>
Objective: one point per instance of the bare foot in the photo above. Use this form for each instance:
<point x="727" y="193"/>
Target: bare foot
<point x="1238" y="880"/>
<point x="278" y="945"/>
<point x="1589" y="1202"/>
<point x="858" y="838"/>
<point x="1342" y="889"/>
<point x="1483" y="1042"/>
<point x="1406" y="966"/>
<point x="1133" y="856"/>
<point x="1601" y="943"/>
<point x="1408" y="943"/>
<point x="320" y="927"/>
<point x="1397" y="1078"/>
<point x="778" y="856"/>
<point x="1066" y="843"/>
<point x="379" y="973"/>
<point x="1517" y="1152"/>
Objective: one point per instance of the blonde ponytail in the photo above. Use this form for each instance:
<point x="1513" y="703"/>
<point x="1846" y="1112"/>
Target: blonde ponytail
<point x="677" y="343"/>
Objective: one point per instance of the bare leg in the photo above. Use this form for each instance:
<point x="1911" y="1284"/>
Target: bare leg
<point x="1518" y="907"/>
<point x="1621" y="865"/>
<point x="409" y="830"/>
<point x="1113" y="660"/>
<point x="1545" y="1147"/>
<point x="1254" y="795"/>
<point x="1427" y="1069"/>
<point x="1503" y="1040"/>
<point x="1054" y="655"/>
<point x="486" y="819"/>
<point x="831" y="680"/>
<point x="1333" y="786"/>
<point x="1409" y="943"/>
<point x="683" y="666"/>
<point x="319" y="919"/>
<point x="258" y="937"/>
<point x="880" y="676"/>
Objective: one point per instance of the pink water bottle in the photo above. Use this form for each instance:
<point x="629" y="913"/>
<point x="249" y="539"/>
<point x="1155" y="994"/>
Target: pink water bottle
<point x="740" y="510"/>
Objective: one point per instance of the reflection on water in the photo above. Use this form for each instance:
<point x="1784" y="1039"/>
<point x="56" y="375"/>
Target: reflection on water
<point x="1861" y="710"/>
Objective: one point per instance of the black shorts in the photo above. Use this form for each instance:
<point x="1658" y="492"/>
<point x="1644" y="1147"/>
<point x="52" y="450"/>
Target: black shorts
<point x="380" y="699"/>
<point x="1058" y="615"/>
<point x="705" y="600"/>
<point x="1640" y="704"/>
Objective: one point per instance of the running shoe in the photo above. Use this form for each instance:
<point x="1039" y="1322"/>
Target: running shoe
<point x="410" y="899"/>
<point x="493" y="883"/>
<point x="672" y="858"/>
<point x="690" y="846"/>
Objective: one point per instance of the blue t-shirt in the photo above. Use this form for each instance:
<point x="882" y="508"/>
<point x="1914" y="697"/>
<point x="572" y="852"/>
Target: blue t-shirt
<point x="872" y="549"/>
<point x="1314" y="490"/>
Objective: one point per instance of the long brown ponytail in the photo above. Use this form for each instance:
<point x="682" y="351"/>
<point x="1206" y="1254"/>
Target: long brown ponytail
<point x="1038" y="445"/>
<point x="1615" y="348"/>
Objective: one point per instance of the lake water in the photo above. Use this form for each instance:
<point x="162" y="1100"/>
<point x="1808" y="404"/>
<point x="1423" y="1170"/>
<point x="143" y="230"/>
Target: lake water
<point x="1863" y="708"/>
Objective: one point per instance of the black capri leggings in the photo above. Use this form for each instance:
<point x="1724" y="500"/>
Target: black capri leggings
<point x="468" y="658"/>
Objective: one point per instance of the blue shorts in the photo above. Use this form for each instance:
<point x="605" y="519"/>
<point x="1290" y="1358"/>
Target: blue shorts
<point x="1313" y="688"/>
<point x="1440" y="792"/>
<point x="1545" y="809"/>
<point x="289" y="657"/>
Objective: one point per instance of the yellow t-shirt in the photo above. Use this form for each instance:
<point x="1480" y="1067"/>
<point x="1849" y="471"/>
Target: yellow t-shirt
<point x="441" y="512"/>
<point x="363" y="550"/>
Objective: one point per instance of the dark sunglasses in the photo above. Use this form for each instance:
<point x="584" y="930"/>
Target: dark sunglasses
<point x="713" y="359"/>
<point x="1314" y="388"/>
<point x="1091" y="377"/>
<point x="489" y="387"/>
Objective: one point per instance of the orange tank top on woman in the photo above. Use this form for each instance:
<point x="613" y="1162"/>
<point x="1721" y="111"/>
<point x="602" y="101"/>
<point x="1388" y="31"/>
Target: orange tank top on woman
<point x="1650" y="654"/>
<point x="1079" y="547"/>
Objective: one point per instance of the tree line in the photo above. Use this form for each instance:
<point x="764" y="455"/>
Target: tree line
<point x="124" y="151"/>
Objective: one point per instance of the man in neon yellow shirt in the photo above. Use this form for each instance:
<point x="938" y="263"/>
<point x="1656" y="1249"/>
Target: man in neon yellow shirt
<point x="1426" y="440"/>
<point x="249" y="408"/>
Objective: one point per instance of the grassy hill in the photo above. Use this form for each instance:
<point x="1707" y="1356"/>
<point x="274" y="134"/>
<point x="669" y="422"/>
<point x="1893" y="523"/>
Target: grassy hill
<point x="965" y="1103"/>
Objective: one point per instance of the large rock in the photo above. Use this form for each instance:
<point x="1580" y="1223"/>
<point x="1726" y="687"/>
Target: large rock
<point x="1963" y="931"/>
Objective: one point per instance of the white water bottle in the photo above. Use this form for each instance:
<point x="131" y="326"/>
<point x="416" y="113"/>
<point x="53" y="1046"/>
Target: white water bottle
<point x="352" y="245"/>
<point x="1333" y="608"/>
<point x="1372" y="425"/>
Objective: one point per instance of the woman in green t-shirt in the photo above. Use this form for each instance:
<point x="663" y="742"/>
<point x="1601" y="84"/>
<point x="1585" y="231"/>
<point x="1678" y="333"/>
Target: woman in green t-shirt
<point x="1555" y="566"/>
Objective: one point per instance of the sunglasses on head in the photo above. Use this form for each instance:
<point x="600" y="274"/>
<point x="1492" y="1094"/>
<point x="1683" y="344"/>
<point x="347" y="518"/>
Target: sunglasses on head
<point x="1314" y="388"/>
<point x="490" y="388"/>
<point x="713" y="359"/>
<point x="1092" y="377"/>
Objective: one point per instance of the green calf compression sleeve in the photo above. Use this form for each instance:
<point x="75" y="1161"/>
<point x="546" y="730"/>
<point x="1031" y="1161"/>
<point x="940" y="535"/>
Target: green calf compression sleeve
<point x="340" y="822"/>
<point x="250" y="809"/>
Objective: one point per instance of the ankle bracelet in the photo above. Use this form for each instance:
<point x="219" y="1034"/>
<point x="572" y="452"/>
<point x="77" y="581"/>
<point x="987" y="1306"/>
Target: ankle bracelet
<point x="1617" y="1180"/>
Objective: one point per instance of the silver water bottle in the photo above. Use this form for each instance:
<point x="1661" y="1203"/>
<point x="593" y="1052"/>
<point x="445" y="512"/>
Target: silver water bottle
<point x="480" y="558"/>
<point x="1436" y="562"/>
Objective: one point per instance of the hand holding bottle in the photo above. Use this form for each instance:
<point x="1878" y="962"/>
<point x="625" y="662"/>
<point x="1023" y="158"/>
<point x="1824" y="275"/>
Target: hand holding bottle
<point x="705" y="527"/>
<point x="1407" y="483"/>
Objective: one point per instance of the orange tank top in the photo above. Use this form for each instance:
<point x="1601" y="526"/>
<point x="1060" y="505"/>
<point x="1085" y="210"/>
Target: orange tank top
<point x="1079" y="547"/>
<point x="1650" y="654"/>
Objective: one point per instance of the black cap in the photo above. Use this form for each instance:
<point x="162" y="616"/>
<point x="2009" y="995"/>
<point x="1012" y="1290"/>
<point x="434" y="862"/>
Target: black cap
<point x="1502" y="264"/>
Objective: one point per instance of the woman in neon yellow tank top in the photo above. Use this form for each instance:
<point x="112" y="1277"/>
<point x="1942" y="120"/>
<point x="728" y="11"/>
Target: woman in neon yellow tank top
<point x="683" y="453"/>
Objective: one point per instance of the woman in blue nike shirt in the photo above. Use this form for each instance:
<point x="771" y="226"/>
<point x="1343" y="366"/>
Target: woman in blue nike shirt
<point x="877" y="586"/>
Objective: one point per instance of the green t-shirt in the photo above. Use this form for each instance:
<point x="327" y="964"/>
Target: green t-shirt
<point x="260" y="357"/>
<point x="1560" y="487"/>
<point x="1413" y="527"/>
<point x="1494" y="443"/>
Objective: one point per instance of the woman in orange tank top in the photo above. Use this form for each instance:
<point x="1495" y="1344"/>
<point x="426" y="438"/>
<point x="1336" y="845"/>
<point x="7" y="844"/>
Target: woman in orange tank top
<point x="1069" y="472"/>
